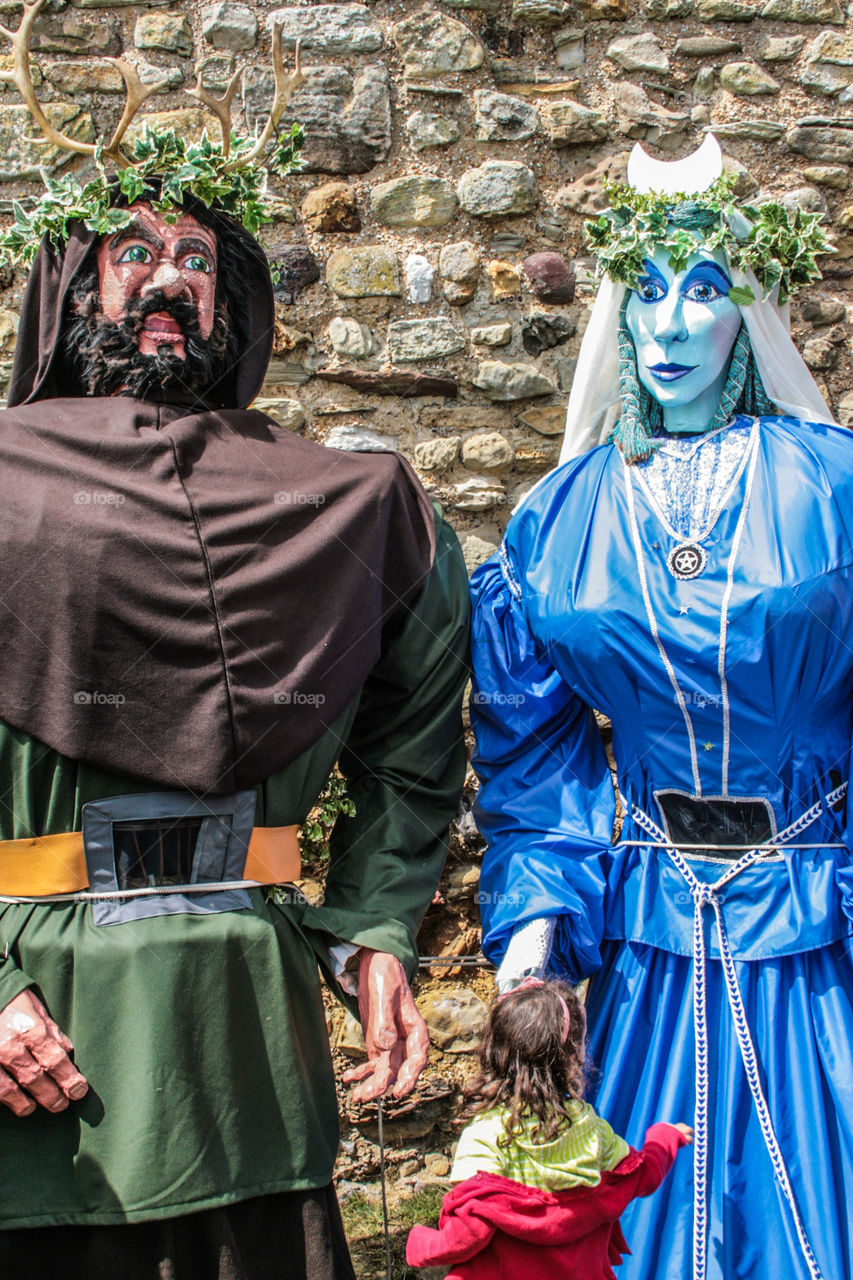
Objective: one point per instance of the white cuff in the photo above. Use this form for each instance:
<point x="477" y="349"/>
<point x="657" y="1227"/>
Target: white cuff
<point x="346" y="973"/>
<point x="527" y="954"/>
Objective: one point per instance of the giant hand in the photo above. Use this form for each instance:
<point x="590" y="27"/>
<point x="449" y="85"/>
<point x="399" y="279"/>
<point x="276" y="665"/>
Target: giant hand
<point x="34" y="1062"/>
<point x="395" y="1034"/>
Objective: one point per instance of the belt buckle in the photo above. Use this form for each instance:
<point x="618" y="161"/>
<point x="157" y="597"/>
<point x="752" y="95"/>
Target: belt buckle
<point x="165" y="838"/>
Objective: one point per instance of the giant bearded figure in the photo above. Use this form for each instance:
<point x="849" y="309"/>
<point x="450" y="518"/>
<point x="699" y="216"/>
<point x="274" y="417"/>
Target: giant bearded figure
<point x="200" y="613"/>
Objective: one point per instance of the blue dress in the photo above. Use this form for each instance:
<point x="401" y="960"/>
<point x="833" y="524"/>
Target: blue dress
<point x="704" y="603"/>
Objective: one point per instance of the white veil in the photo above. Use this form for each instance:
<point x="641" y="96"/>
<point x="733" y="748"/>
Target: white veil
<point x="594" y="402"/>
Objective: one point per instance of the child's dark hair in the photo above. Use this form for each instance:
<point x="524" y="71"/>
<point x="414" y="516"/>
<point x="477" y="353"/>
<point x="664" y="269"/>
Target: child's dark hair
<point x="526" y="1064"/>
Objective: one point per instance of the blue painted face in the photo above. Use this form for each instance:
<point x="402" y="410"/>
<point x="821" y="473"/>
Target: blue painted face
<point x="684" y="328"/>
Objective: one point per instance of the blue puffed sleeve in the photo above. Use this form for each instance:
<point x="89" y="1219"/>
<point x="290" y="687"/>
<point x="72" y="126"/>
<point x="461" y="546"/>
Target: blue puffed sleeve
<point x="546" y="802"/>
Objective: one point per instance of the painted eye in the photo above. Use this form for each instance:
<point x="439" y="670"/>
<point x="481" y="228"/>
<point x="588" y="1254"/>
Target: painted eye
<point x="649" y="290"/>
<point x="136" y="253"/>
<point x="703" y="291"/>
<point x="197" y="263"/>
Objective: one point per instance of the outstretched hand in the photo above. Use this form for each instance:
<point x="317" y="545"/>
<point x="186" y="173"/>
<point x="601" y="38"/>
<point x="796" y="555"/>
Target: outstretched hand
<point x="34" y="1062"/>
<point x="395" y="1034"/>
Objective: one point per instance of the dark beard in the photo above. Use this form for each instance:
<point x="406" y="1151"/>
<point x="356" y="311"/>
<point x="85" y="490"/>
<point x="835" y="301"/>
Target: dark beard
<point x="104" y="355"/>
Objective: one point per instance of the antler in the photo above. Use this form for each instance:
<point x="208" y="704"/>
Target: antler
<point x="137" y="93"/>
<point x="21" y="77"/>
<point x="285" y="87"/>
<point x="220" y="107"/>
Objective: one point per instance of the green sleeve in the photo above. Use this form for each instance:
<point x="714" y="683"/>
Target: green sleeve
<point x="404" y="760"/>
<point x="13" y="980"/>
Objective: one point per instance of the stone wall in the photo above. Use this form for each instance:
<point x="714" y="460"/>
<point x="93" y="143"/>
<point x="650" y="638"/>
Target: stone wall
<point x="434" y="284"/>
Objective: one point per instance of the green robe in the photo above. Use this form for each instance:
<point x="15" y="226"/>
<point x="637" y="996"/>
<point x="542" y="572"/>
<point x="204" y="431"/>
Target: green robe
<point x="203" y="1037"/>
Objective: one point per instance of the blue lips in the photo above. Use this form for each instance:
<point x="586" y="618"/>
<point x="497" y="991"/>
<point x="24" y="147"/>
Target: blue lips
<point x="670" y="372"/>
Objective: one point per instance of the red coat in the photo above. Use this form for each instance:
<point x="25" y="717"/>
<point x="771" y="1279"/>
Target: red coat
<point x="492" y="1228"/>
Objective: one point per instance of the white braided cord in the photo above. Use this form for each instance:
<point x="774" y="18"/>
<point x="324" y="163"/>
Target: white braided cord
<point x="708" y="895"/>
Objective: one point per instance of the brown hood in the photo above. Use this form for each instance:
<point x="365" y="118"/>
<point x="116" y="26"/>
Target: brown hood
<point x="187" y="597"/>
<point x="39" y="372"/>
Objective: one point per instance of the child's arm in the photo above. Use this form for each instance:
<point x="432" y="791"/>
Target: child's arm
<point x="459" y="1237"/>
<point x="658" y="1154"/>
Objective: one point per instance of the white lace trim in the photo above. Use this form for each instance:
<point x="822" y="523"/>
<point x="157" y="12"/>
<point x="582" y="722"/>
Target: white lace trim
<point x="689" y="479"/>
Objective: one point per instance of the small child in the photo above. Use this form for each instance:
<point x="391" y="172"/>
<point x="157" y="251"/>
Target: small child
<point x="542" y="1178"/>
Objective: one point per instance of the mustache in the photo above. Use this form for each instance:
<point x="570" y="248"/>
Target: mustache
<point x="182" y="310"/>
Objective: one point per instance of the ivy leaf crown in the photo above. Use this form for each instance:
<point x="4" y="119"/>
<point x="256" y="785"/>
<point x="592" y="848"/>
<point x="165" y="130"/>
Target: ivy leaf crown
<point x="165" y="168"/>
<point x="780" y="248"/>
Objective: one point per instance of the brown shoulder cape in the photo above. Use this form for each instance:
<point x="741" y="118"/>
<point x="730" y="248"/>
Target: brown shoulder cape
<point x="188" y="596"/>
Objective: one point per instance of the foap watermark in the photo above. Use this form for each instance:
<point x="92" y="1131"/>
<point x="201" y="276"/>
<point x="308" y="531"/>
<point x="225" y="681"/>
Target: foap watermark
<point x="287" y="498"/>
<point x="98" y="498"/>
<point x="482" y="898"/>
<point x="480" y="698"/>
<point x="95" y="698"/>
<point x="696" y="698"/>
<point x="298" y="698"/>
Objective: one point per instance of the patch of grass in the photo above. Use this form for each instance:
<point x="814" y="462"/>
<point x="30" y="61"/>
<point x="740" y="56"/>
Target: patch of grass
<point x="362" y="1216"/>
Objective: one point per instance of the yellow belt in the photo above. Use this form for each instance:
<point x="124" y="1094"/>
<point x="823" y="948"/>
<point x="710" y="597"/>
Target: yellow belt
<point x="57" y="864"/>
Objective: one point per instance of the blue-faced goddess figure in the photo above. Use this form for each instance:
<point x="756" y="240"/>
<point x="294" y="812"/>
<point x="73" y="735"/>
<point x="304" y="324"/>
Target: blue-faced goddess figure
<point x="687" y="571"/>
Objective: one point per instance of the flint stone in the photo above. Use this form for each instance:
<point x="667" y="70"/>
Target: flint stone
<point x="188" y="122"/>
<point x="835" y="176"/>
<point x="22" y="158"/>
<point x="487" y="452"/>
<point x="570" y="123"/>
<point x="586" y="194"/>
<point x="166" y="31"/>
<point x="726" y="10"/>
<point x="639" y="53"/>
<point x="346" y="116"/>
<point x="551" y="278"/>
<point x="706" y="46"/>
<point x="804" y="11"/>
<point x="497" y="189"/>
<point x="364" y="271"/>
<point x="822" y="311"/>
<point x="432" y="44"/>
<point x="172" y="77"/>
<point x="287" y="413"/>
<point x="505" y="278"/>
<point x="215" y="70"/>
<point x="569" y="46"/>
<point x="437" y="455"/>
<point x="360" y="440"/>
<point x="746" y="79"/>
<point x="781" y="48"/>
<point x="487" y="6"/>
<point x="548" y="419"/>
<point x="229" y="26"/>
<point x="845" y="217"/>
<point x="501" y="118"/>
<point x="663" y="9"/>
<point x="108" y="4"/>
<point x="478" y="494"/>
<point x="606" y="10"/>
<point x="540" y="333"/>
<point x="845" y="409"/>
<point x="638" y="114"/>
<point x="427" y="130"/>
<point x="809" y="199"/>
<point x="825" y="144"/>
<point x="459" y="265"/>
<point x="539" y="13"/>
<point x="820" y="354"/>
<point x="507" y="242"/>
<point x="700" y="115"/>
<point x="328" y="28"/>
<point x="536" y="457"/>
<point x="493" y="335"/>
<point x="419" y="277"/>
<point x="93" y="76"/>
<point x="414" y="201"/>
<point x="331" y="207"/>
<point x="826" y="80"/>
<point x="351" y="338"/>
<point x="70" y="34"/>
<point x="297" y="269"/>
<point x="703" y="85"/>
<point x="392" y="382"/>
<point x="759" y="130"/>
<point x="833" y="47"/>
<point x="500" y="381"/>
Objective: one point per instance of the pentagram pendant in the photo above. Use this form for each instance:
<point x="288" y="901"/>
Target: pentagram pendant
<point x="687" y="560"/>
